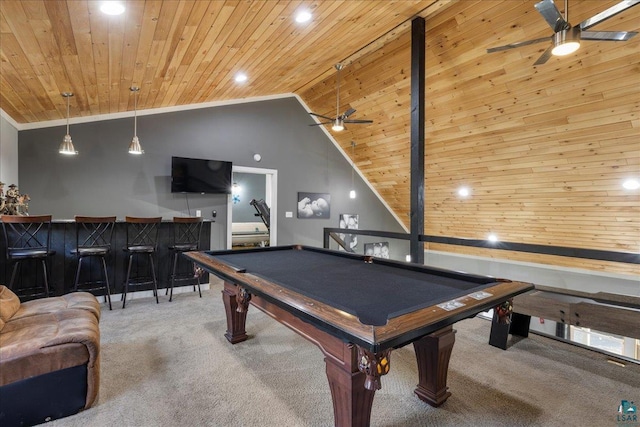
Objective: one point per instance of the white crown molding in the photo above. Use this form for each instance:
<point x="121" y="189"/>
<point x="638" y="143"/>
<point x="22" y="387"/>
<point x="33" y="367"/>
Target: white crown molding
<point x="147" y="112"/>
<point x="8" y="118"/>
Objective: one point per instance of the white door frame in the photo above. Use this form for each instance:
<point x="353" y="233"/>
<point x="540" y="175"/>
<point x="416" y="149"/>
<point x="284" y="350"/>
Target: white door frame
<point x="271" y="198"/>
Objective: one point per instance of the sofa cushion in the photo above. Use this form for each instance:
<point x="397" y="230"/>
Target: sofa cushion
<point x="9" y="303"/>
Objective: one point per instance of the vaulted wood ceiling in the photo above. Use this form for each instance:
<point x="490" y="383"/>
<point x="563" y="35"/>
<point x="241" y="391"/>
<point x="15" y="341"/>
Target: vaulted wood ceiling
<point x="542" y="148"/>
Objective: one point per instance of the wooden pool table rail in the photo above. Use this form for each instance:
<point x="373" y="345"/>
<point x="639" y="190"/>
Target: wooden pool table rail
<point x="399" y="331"/>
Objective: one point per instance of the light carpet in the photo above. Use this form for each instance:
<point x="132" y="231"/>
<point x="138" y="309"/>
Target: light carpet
<point x="169" y="364"/>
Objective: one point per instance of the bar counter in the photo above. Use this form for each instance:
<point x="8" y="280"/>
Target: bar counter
<point x="62" y="268"/>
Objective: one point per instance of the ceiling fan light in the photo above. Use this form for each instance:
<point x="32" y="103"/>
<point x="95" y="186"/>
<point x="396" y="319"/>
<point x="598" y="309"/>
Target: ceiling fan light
<point x="566" y="42"/>
<point x="338" y="125"/>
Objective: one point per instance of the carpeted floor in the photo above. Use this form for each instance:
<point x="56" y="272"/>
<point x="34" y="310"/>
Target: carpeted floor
<point x="169" y="364"/>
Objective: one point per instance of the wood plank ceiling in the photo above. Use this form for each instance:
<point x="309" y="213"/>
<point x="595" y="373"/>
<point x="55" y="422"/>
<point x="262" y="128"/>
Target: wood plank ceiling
<point x="543" y="149"/>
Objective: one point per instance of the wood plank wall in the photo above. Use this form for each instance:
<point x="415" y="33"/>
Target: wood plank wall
<point x="544" y="150"/>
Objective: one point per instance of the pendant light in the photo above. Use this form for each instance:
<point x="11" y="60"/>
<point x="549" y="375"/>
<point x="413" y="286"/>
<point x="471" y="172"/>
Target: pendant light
<point x="338" y="123"/>
<point x="352" y="193"/>
<point x="66" y="147"/>
<point x="134" y="147"/>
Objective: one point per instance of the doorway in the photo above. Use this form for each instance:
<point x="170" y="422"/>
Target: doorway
<point x="260" y="182"/>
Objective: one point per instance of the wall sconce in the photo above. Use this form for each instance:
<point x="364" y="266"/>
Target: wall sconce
<point x="66" y="147"/>
<point x="235" y="193"/>
<point x="134" y="147"/>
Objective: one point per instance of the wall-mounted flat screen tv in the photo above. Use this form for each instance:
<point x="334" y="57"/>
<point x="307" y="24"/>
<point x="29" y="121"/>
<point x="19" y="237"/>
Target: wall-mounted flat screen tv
<point x="200" y="176"/>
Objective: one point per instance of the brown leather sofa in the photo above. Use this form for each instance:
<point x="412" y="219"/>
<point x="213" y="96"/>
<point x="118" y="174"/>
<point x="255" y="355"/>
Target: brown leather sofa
<point x="49" y="357"/>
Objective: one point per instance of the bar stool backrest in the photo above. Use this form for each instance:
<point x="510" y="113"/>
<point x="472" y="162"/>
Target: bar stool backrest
<point x="186" y="232"/>
<point x="30" y="233"/>
<point x="94" y="231"/>
<point x="143" y="231"/>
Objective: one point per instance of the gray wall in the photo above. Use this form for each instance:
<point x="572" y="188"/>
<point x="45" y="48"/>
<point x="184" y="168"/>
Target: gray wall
<point x="104" y="179"/>
<point x="8" y="153"/>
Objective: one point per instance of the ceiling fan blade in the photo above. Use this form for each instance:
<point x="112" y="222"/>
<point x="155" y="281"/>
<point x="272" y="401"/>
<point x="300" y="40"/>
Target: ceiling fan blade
<point x="613" y="36"/>
<point x="518" y="44"/>
<point x="551" y="14"/>
<point x="321" y="123"/>
<point x="320" y="115"/>
<point x="349" y="112"/>
<point x="358" y="121"/>
<point x="544" y="57"/>
<point x="606" y="14"/>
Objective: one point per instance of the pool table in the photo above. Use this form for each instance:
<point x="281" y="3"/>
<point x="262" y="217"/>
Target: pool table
<point x="357" y="309"/>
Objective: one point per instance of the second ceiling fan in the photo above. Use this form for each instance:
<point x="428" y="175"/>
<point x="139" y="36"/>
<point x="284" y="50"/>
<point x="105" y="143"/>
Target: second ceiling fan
<point x="566" y="39"/>
<point x="340" y="119"/>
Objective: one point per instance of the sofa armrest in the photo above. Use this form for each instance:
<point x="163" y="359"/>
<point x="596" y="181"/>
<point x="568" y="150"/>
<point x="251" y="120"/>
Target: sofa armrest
<point x="40" y="344"/>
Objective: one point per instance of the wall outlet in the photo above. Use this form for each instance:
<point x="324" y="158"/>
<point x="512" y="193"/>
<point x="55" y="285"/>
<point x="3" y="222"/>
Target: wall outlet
<point x="198" y="212"/>
<point x="288" y="214"/>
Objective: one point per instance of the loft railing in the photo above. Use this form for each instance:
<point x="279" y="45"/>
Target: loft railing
<point x="594" y="254"/>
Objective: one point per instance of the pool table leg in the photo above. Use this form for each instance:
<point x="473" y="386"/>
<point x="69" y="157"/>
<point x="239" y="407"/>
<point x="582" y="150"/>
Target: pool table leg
<point x="352" y="402"/>
<point x="236" y="314"/>
<point x="433" y="353"/>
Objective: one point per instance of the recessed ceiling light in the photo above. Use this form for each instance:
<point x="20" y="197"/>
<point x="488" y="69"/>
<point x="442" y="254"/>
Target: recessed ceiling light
<point x="631" y="184"/>
<point x="241" y="78"/>
<point x="463" y="192"/>
<point x="303" y="16"/>
<point x="492" y="238"/>
<point x="112" y="8"/>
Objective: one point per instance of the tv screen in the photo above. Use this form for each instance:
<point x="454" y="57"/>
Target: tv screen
<point x="200" y="176"/>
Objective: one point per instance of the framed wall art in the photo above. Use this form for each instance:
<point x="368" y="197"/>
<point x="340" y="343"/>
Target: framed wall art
<point x="349" y="221"/>
<point x="378" y="249"/>
<point x="314" y="205"/>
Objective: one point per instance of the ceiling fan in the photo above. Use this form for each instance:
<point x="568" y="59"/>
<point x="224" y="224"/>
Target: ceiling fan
<point x="566" y="39"/>
<point x="340" y="119"/>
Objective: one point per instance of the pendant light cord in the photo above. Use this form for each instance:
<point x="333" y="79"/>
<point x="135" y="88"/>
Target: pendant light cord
<point x="353" y="146"/>
<point x="339" y="66"/>
<point x="135" y="113"/>
<point x="67" y="114"/>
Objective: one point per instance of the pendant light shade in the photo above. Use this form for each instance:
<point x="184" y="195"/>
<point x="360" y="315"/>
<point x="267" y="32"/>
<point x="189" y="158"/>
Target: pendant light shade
<point x="66" y="147"/>
<point x="134" y="147"/>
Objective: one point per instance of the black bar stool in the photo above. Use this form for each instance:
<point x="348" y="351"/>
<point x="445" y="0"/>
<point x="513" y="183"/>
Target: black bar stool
<point x="93" y="239"/>
<point x="186" y="237"/>
<point x="142" y="239"/>
<point x="28" y="238"/>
